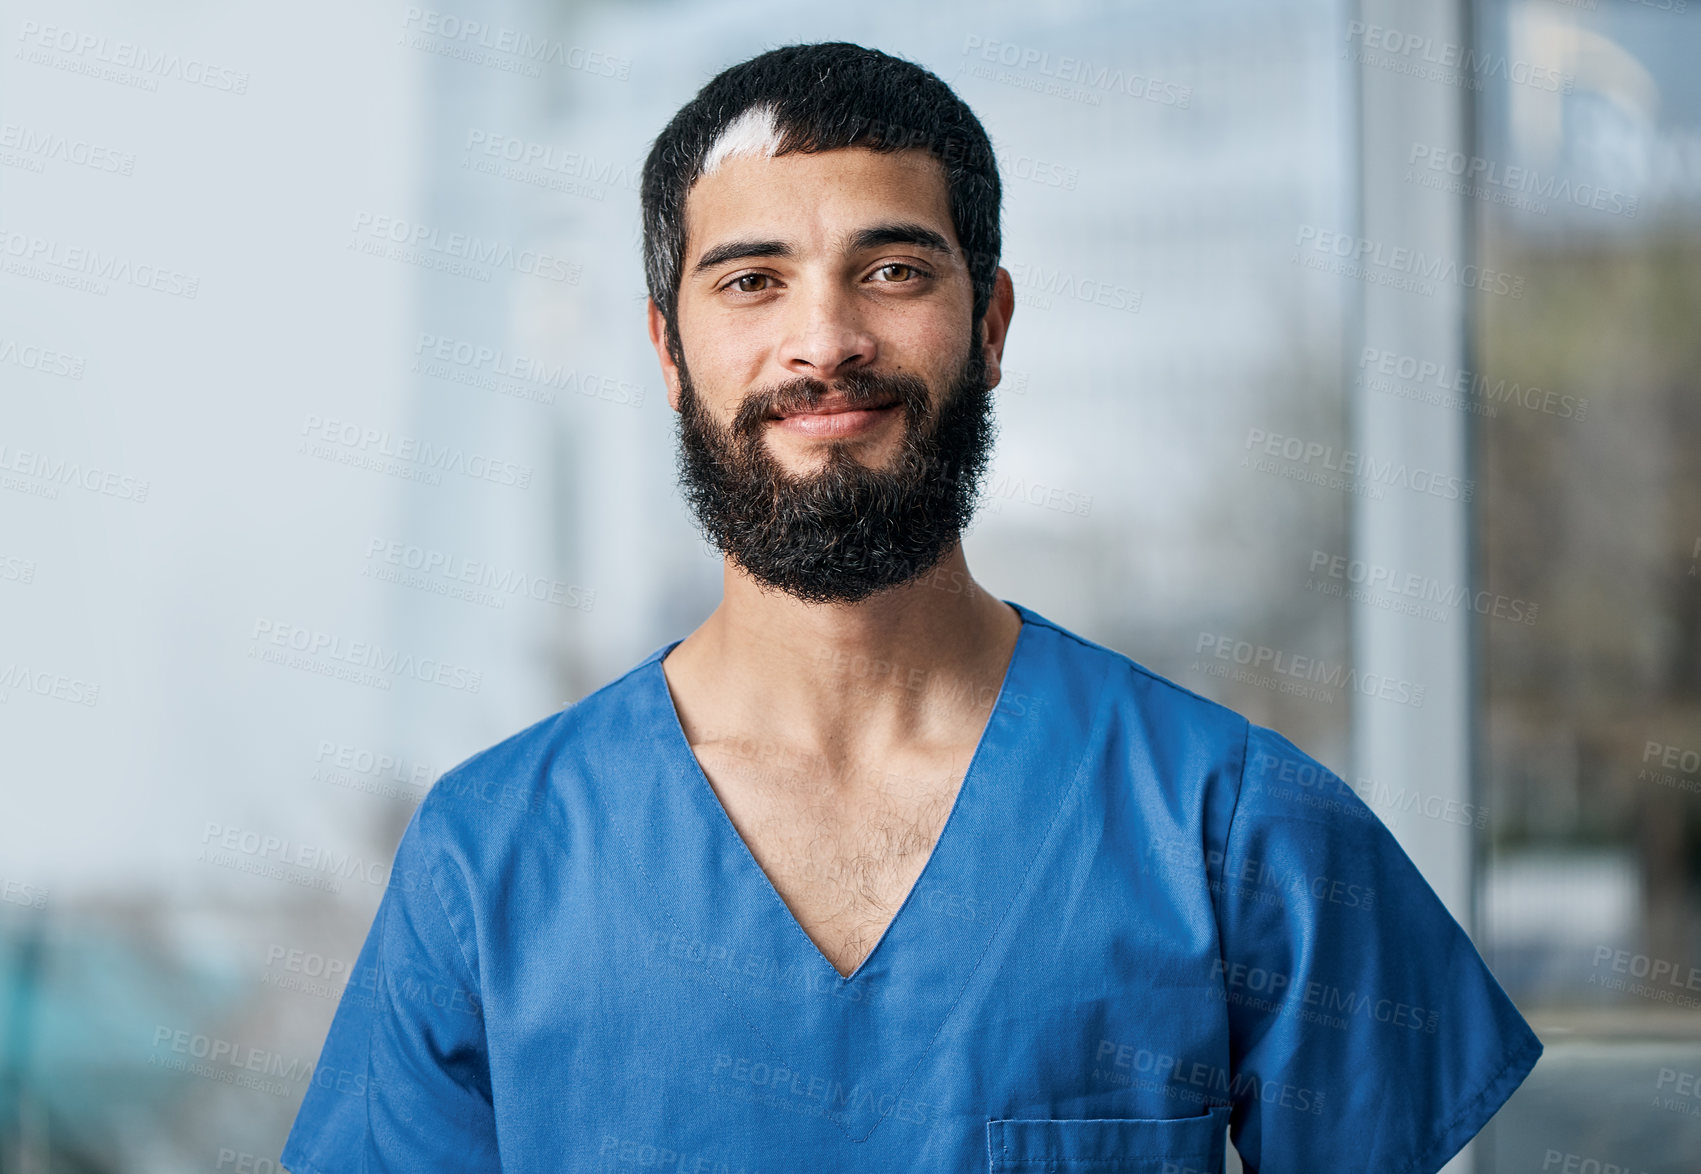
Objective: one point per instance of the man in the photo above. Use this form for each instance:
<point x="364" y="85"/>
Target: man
<point x="874" y="871"/>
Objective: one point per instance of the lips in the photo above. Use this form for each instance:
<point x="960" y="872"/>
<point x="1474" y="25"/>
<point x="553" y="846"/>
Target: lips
<point x="833" y="405"/>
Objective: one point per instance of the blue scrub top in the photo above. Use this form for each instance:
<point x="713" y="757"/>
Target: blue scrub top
<point x="1144" y="920"/>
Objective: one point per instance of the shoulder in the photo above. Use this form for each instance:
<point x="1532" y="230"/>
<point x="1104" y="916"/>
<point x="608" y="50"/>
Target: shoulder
<point x="1138" y="701"/>
<point x="511" y="791"/>
<point x="1194" y="757"/>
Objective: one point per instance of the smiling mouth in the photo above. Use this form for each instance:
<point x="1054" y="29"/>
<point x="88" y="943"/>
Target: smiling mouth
<point x="835" y="408"/>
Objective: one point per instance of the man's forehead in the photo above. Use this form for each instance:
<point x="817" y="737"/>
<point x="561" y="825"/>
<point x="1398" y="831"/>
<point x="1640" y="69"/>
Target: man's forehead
<point x="786" y="194"/>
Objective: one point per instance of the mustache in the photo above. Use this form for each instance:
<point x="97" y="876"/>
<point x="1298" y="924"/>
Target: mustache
<point x="861" y="389"/>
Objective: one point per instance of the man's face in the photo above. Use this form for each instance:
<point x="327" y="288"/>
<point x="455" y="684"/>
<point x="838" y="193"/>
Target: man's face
<point x="835" y="408"/>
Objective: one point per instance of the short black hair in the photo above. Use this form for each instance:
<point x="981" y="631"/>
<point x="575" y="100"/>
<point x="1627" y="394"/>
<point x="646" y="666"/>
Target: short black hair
<point x="824" y="97"/>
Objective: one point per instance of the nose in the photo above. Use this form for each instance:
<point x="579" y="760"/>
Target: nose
<point x="826" y="337"/>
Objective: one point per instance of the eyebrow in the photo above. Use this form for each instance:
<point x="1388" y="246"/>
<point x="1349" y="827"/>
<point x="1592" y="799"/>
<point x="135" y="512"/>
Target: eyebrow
<point x="877" y="237"/>
<point x="881" y="235"/>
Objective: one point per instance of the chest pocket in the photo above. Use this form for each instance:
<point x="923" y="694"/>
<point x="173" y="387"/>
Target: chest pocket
<point x="1114" y="1145"/>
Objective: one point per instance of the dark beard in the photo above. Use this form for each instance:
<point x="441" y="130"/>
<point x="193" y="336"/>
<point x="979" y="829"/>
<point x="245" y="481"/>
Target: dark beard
<point x="845" y="531"/>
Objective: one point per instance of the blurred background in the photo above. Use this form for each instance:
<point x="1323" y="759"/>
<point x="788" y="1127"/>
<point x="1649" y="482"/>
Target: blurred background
<point x="1353" y="382"/>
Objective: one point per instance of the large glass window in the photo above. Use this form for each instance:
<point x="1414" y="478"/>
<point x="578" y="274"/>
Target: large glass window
<point x="1587" y="401"/>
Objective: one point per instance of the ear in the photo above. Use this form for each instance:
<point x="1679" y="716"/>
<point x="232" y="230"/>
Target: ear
<point x="995" y="324"/>
<point x="658" y="339"/>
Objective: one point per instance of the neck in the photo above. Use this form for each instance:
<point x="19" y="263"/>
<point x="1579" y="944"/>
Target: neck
<point x="908" y="665"/>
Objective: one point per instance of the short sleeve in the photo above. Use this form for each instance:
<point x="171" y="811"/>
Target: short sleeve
<point x="1366" y="1032"/>
<point x="403" y="1080"/>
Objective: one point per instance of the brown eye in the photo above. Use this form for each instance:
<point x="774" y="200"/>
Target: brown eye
<point x="908" y="272"/>
<point x="738" y="283"/>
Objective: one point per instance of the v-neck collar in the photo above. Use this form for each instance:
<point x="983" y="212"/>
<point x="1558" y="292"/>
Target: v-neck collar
<point x="867" y="1033"/>
<point x="682" y="744"/>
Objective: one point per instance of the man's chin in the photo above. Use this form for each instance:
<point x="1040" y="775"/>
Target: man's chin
<point x="798" y="464"/>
